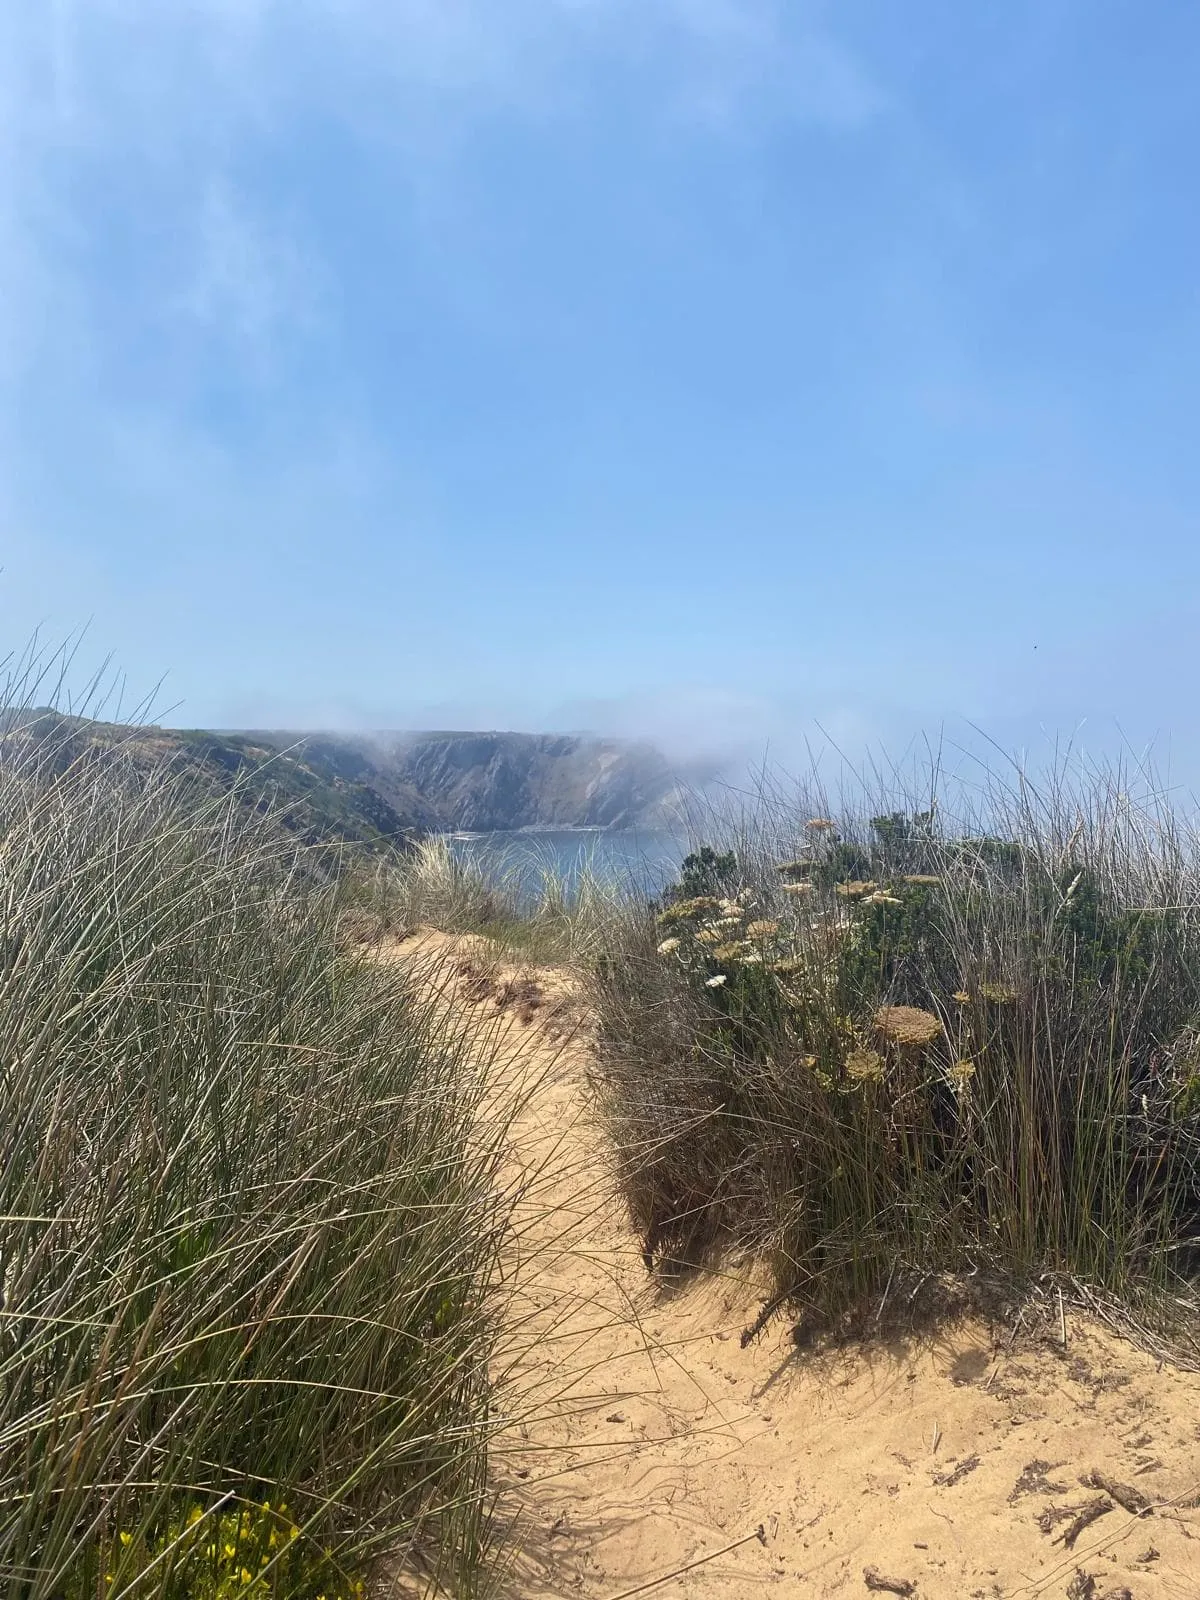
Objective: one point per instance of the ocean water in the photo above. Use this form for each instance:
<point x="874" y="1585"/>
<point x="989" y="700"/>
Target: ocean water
<point x="641" y="861"/>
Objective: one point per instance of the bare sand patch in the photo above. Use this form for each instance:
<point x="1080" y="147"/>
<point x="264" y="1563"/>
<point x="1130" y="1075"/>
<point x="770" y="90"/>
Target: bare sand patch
<point x="650" y="1452"/>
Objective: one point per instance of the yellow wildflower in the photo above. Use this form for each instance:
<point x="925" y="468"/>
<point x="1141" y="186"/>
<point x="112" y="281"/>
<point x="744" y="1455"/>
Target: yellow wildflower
<point x="907" y="1026"/>
<point x="684" y="910"/>
<point x="864" y="1066"/>
<point x="763" y="929"/>
<point x="962" y="997"/>
<point x="961" y="1073"/>
<point x="998" y="993"/>
<point x="126" y="1538"/>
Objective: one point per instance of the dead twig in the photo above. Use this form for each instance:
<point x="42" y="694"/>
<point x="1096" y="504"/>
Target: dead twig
<point x="1133" y="1500"/>
<point x="947" y="1480"/>
<point x="1081" y="1517"/>
<point x="875" y="1580"/>
<point x="690" y="1566"/>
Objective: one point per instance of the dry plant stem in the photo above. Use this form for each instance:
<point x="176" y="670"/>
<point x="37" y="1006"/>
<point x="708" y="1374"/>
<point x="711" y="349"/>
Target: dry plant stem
<point x="690" y="1566"/>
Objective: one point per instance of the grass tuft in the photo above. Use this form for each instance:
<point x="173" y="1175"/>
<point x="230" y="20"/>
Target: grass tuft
<point x="247" y="1217"/>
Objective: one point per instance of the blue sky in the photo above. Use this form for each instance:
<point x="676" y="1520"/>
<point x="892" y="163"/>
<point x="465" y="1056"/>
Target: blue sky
<point x="703" y="368"/>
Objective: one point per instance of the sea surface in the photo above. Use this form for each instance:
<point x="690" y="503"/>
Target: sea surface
<point x="640" y="861"/>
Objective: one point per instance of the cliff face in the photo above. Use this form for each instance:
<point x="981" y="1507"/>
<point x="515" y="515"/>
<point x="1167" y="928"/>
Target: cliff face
<point x="381" y="789"/>
<point x="485" y="781"/>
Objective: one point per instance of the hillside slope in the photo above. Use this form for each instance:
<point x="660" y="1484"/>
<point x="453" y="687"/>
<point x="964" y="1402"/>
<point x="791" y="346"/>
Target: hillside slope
<point x="376" y="790"/>
<point x="482" y="782"/>
<point x="486" y="781"/>
<point x="311" y="795"/>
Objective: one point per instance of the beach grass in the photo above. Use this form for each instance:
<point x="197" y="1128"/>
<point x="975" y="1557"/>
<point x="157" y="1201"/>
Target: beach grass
<point x="248" y="1216"/>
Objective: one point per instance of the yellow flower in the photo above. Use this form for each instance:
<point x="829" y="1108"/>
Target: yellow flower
<point x="998" y="993"/>
<point x="247" y="1575"/>
<point x="126" y="1538"/>
<point x="762" y="929"/>
<point x="961" y="1073"/>
<point x="193" y="1516"/>
<point x="682" y="910"/>
<point x="864" y="1066"/>
<point x="962" y="997"/>
<point x="908" y="1026"/>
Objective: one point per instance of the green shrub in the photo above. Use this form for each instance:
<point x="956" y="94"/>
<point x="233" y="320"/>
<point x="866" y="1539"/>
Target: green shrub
<point x="254" y="1552"/>
<point x="1048" y="1120"/>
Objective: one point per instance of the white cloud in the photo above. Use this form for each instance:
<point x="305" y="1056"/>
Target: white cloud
<point x="246" y="278"/>
<point x="162" y="107"/>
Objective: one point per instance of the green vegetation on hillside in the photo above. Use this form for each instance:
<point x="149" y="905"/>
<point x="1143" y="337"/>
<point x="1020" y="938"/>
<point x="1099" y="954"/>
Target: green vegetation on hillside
<point x="299" y="782"/>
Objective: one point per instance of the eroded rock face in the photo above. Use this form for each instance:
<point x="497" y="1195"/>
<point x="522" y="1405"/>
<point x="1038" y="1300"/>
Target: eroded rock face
<point x="376" y="788"/>
<point x="485" y="781"/>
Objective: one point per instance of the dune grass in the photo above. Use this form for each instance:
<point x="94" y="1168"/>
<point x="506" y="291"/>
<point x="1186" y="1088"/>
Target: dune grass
<point x="908" y="1040"/>
<point x="248" y="1219"/>
<point x="521" y="905"/>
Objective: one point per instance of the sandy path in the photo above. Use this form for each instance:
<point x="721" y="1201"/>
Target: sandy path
<point x="649" y="1441"/>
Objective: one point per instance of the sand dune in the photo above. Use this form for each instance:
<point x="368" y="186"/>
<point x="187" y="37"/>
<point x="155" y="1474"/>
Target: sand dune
<point x="651" y="1453"/>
